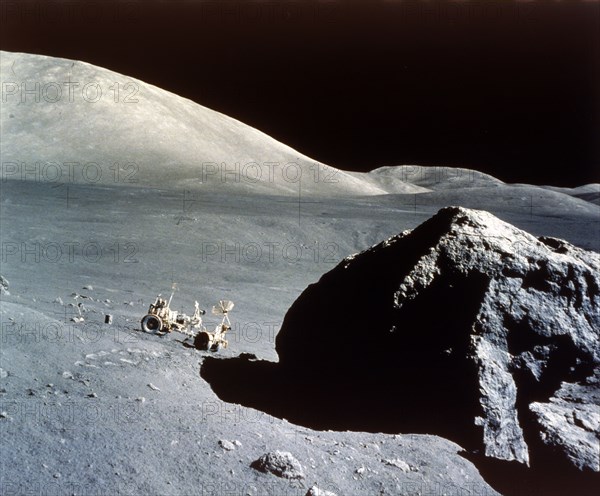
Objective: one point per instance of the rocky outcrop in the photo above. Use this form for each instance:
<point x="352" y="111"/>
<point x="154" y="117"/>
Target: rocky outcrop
<point x="467" y="325"/>
<point x="571" y="422"/>
<point x="4" y="285"/>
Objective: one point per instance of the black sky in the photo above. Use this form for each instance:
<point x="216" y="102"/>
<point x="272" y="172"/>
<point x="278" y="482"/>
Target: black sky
<point x="510" y="88"/>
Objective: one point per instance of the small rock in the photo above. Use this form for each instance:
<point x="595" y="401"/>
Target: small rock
<point x="153" y="387"/>
<point x="3" y="373"/>
<point x="58" y="301"/>
<point x="92" y="395"/>
<point x="89" y="287"/>
<point x="279" y="463"/>
<point x="360" y="470"/>
<point x="237" y="443"/>
<point x="67" y="375"/>
<point x="57" y="475"/>
<point x="315" y="491"/>
<point x="3" y="414"/>
<point x="396" y="462"/>
<point x="141" y="399"/>
<point x="226" y="445"/>
<point x="4" y="286"/>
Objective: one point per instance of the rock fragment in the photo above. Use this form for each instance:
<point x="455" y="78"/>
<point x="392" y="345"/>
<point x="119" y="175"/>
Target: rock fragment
<point x="315" y="491"/>
<point x="226" y="445"/>
<point x="279" y="463"/>
<point x="4" y="286"/>
<point x="398" y="463"/>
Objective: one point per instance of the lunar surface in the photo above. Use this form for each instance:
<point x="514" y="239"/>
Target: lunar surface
<point x="114" y="191"/>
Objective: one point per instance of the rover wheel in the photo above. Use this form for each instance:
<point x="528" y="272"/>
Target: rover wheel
<point x="151" y="324"/>
<point x="202" y="340"/>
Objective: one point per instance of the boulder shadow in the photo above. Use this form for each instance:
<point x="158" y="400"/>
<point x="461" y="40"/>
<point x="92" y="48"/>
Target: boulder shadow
<point x="370" y="403"/>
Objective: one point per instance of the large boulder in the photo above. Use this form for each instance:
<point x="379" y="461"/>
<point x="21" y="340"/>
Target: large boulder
<point x="465" y="327"/>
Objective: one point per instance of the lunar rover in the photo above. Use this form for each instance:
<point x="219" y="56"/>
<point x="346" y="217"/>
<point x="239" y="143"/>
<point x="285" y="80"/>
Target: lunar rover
<point x="161" y="319"/>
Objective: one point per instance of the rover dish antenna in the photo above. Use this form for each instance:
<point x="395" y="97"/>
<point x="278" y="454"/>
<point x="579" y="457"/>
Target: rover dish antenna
<point x="223" y="307"/>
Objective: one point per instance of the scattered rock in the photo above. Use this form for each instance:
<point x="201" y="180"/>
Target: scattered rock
<point x="396" y="462"/>
<point x="4" y="286"/>
<point x="226" y="445"/>
<point x="315" y="491"/>
<point x="279" y="463"/>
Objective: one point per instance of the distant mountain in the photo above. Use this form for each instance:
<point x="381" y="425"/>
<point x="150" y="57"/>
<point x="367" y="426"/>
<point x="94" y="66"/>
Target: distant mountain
<point x="587" y="192"/>
<point x="69" y="121"/>
<point x="433" y="178"/>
